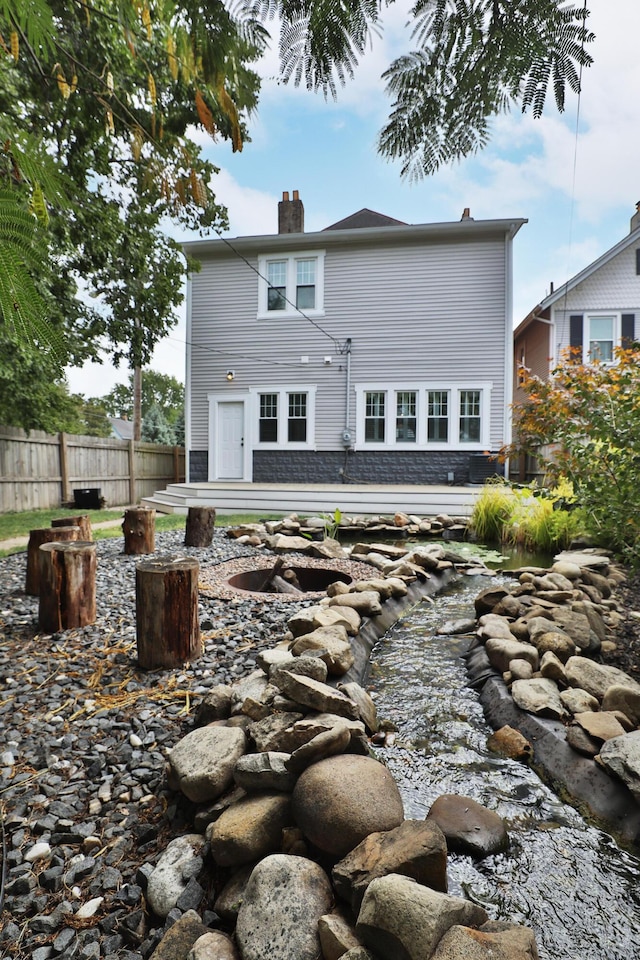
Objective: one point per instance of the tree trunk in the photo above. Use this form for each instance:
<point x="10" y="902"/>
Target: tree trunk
<point x="167" y="625"/>
<point x="36" y="539"/>
<point x="201" y="523"/>
<point x="84" y="522"/>
<point x="137" y="403"/>
<point x="139" y="529"/>
<point x="67" y="585"/>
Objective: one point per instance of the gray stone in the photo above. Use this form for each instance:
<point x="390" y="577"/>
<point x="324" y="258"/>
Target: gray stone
<point x="466" y="943"/>
<point x="399" y="918"/>
<point x="366" y="603"/>
<point x="180" y="937"/>
<point x="578" y="701"/>
<point x="181" y="861"/>
<point x="491" y="626"/>
<point x="551" y="666"/>
<point x="520" y="669"/>
<point x="231" y="896"/>
<point x="264" y="771"/>
<point x="337" y="936"/>
<point x="328" y="807"/>
<point x="203" y="762"/>
<point x="274" y="732"/>
<point x="326" y="744"/>
<point x="502" y="651"/>
<point x="317" y="696"/>
<point x="596" y="678"/>
<point x="366" y="706"/>
<point x="215" y="705"/>
<point x="301" y="666"/>
<point x="623" y="697"/>
<point x="332" y="644"/>
<point x="283" y="902"/>
<point x="538" y="696"/>
<point x="213" y="946"/>
<point x="622" y="756"/>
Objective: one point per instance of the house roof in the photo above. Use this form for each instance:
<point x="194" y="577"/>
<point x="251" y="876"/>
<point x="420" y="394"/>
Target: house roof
<point x="632" y="237"/>
<point x="366" y="218"/>
<point x="390" y="233"/>
<point x="122" y="429"/>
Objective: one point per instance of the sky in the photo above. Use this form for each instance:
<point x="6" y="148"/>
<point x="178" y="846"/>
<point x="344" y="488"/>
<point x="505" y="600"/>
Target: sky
<point x="574" y="176"/>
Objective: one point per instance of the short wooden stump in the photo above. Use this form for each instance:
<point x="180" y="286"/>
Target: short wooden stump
<point x="139" y="529"/>
<point x="36" y="539"/>
<point x="167" y="624"/>
<point x="67" y="585"/>
<point x="201" y="522"/>
<point x="83" y="521"/>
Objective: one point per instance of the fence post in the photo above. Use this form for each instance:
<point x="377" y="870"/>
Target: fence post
<point x="132" y="472"/>
<point x="64" y="467"/>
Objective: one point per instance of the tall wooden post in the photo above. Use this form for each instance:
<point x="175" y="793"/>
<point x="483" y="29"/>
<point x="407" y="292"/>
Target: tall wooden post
<point x="139" y="529"/>
<point x="36" y="539"/>
<point x="201" y="522"/>
<point x="132" y="472"/>
<point x="167" y="624"/>
<point x="67" y="585"/>
<point x="64" y="468"/>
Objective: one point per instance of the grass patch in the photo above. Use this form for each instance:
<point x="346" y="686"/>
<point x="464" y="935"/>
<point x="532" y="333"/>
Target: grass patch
<point x="522" y="517"/>
<point x="13" y="525"/>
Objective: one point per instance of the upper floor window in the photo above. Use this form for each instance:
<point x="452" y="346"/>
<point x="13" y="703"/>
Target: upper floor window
<point x="601" y="338"/>
<point x="291" y="283"/>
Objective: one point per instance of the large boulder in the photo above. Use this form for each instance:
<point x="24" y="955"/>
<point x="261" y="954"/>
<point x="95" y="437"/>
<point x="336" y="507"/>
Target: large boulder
<point x="340" y="801"/>
<point x="249" y="829"/>
<point x="283" y="902"/>
<point x="416" y="849"/>
<point x="399" y="918"/>
<point x="202" y="763"/>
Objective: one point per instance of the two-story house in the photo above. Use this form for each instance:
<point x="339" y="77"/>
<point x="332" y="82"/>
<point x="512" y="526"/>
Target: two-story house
<point x="589" y="316"/>
<point x="372" y="351"/>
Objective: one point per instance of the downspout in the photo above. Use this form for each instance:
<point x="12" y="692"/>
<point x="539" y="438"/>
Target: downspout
<point x="347" y="405"/>
<point x="187" y="383"/>
<point x="508" y="357"/>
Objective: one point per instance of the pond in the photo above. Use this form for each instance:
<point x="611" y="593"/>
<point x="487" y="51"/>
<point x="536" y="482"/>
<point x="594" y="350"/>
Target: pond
<point x="561" y="876"/>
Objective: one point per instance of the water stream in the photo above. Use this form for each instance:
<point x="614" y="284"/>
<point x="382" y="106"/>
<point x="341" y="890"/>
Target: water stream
<point x="564" y="878"/>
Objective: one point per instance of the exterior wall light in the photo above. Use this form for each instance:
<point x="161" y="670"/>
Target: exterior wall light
<point x="230" y="374"/>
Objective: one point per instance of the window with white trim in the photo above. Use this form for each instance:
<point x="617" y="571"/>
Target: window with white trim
<point x="374" y="416"/>
<point x="601" y="337"/>
<point x="423" y="415"/>
<point x="284" y="416"/>
<point x="290" y="283"/>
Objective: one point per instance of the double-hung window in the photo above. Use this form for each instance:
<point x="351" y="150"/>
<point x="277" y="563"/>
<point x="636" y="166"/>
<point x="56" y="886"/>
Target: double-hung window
<point x="374" y="417"/>
<point x="297" y="419"/>
<point x="290" y="284"/>
<point x="268" y="422"/>
<point x="602" y="337"/>
<point x="437" y="416"/>
<point x="406" y="407"/>
<point x="285" y="416"/>
<point x="470" y="408"/>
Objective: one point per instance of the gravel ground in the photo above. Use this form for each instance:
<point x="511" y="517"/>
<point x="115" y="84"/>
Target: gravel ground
<point x="626" y="656"/>
<point x="85" y="735"/>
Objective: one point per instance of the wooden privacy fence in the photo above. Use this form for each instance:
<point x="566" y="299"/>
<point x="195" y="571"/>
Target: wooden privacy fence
<point x="40" y="471"/>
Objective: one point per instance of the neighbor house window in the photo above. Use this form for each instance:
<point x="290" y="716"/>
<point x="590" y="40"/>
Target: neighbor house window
<point x="297" y="422"/>
<point x="406" y="405"/>
<point x="268" y="424"/>
<point x="290" y="284"/>
<point x="601" y="338"/>
<point x="470" y="416"/>
<point x="374" y="416"/>
<point x="437" y="416"/>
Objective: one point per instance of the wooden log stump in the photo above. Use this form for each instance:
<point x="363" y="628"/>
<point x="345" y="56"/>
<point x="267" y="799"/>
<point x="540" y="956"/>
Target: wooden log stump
<point x="167" y="624"/>
<point x="36" y="539"/>
<point x="67" y="585"/>
<point x="201" y="523"/>
<point x="139" y="529"/>
<point x="83" y="521"/>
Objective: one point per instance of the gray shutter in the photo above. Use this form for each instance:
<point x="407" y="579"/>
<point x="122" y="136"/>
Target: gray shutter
<point x="575" y="330"/>
<point x="627" y="329"/>
<point x="638" y="261"/>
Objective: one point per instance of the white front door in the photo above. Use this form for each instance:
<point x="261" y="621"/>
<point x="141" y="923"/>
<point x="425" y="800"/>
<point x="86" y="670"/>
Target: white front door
<point x="230" y="440"/>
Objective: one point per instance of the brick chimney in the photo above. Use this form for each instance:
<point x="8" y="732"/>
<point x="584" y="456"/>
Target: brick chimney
<point x="290" y="214"/>
<point x="466" y="214"/>
<point x="635" y="219"/>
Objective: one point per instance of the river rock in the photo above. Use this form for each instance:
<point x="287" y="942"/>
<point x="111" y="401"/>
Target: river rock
<point x="301" y="666"/>
<point x="401" y="918"/>
<point x="491" y="626"/>
<point x="468" y="826"/>
<point x="332" y="644"/>
<point x="264" y="771"/>
<point x="508" y="742"/>
<point x="578" y="701"/>
<point x="329" y="549"/>
<point x="520" y="669"/>
<point x="275" y="732"/>
<point x="340" y="801"/>
<point x="181" y="861"/>
<point x="602" y="725"/>
<point x="556" y="642"/>
<point x="596" y="678"/>
<point x="571" y="571"/>
<point x="576" y="625"/>
<point x="326" y="744"/>
<point x="202" y="763"/>
<point x="466" y="943"/>
<point x="215" y="705"/>
<point x="336" y="936"/>
<point x="228" y="901"/>
<point x="180" y="937"/>
<point x="551" y="666"/>
<point x="347" y="617"/>
<point x="501" y="652"/>
<point x="317" y="696"/>
<point x="283" y="902"/>
<point x="213" y="946"/>
<point x="625" y="698"/>
<point x="366" y="707"/>
<point x="282" y="543"/>
<point x="385" y="587"/>
<point x="487" y="599"/>
<point x="538" y="696"/>
<point x="580" y="741"/>
<point x="416" y="849"/>
<point x="366" y="603"/>
<point x="622" y="756"/>
<point x="249" y="829"/>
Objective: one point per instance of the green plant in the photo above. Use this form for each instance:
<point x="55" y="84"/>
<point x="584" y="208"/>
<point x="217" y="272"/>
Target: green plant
<point x="332" y="524"/>
<point x="525" y="517"/>
<point x="491" y="511"/>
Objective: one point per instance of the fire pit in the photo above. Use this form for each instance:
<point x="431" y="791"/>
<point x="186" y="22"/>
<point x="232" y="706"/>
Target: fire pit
<point x="298" y="577"/>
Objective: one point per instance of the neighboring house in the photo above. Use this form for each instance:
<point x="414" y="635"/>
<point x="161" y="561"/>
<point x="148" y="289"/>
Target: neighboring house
<point x="373" y="351"/>
<point x="593" y="313"/>
<point x="121" y="428"/>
